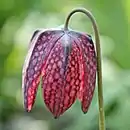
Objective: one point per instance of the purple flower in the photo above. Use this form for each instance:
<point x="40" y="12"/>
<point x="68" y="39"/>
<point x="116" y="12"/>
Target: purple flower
<point x="65" y="62"/>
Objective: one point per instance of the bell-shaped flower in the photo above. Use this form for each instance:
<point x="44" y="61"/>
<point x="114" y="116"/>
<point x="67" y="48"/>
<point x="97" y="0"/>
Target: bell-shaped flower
<point x="65" y="63"/>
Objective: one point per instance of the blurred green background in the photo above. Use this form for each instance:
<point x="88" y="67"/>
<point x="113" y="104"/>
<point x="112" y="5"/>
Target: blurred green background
<point x="20" y="18"/>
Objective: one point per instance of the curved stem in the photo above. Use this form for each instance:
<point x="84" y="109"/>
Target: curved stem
<point x="99" y="66"/>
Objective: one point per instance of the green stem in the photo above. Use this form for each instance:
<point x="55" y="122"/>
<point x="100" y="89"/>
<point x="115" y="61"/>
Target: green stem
<point x="99" y="65"/>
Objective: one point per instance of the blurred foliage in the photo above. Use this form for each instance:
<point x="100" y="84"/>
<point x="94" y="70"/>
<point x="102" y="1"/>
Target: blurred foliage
<point x="20" y="18"/>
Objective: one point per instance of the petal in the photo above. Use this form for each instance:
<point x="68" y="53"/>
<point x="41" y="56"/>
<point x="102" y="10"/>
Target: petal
<point x="88" y="66"/>
<point x="40" y="47"/>
<point x="61" y="82"/>
<point x="89" y="61"/>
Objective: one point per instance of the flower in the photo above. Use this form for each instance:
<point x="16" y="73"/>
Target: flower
<point x="65" y="61"/>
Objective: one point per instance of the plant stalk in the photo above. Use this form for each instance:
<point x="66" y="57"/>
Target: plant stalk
<point x="99" y="65"/>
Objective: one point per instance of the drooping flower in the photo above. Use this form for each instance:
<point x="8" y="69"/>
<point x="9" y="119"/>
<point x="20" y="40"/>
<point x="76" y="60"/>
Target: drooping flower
<point x="65" y="61"/>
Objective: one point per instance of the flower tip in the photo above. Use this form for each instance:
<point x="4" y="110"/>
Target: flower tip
<point x="55" y="117"/>
<point x="84" y="112"/>
<point x="29" y="108"/>
<point x="26" y="110"/>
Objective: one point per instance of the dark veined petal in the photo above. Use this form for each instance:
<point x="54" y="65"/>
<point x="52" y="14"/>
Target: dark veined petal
<point x="40" y="46"/>
<point x="88" y="63"/>
<point x="90" y="67"/>
<point x="62" y="76"/>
